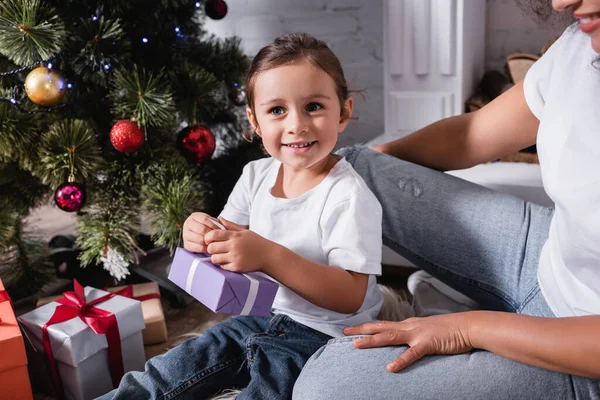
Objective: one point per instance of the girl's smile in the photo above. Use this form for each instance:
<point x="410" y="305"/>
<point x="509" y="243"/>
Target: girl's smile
<point x="299" y="116"/>
<point x="300" y="147"/>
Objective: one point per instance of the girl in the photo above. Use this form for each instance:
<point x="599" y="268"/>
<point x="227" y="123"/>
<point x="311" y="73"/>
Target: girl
<point x="303" y="217"/>
<point x="536" y="269"/>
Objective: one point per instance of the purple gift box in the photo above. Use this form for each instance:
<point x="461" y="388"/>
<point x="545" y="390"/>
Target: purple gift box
<point x="220" y="290"/>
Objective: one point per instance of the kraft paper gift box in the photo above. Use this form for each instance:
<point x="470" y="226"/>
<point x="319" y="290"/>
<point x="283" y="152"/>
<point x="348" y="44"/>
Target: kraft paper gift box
<point x="155" y="331"/>
<point x="81" y="356"/>
<point x="14" y="379"/>
<point x="220" y="290"/>
<point x="154" y="317"/>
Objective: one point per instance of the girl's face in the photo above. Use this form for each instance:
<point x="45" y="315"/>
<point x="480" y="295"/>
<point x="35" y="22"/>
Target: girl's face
<point x="298" y="115"/>
<point x="588" y="14"/>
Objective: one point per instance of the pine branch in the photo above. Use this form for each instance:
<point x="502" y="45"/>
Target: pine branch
<point x="103" y="43"/>
<point x="65" y="139"/>
<point x="196" y="93"/>
<point x="172" y="193"/>
<point x="143" y="96"/>
<point x="23" y="189"/>
<point x="112" y="219"/>
<point x="24" y="265"/>
<point x="19" y="133"/>
<point x="101" y="229"/>
<point x="31" y="31"/>
<point x="9" y="216"/>
<point x="223" y="57"/>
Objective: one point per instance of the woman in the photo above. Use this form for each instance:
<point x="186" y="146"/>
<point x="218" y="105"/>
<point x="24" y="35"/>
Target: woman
<point x="536" y="269"/>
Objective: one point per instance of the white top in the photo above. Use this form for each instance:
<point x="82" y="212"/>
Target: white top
<point x="562" y="90"/>
<point x="337" y="223"/>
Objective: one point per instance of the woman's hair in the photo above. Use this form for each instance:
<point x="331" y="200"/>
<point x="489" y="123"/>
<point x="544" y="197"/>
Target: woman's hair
<point x="293" y="48"/>
<point x="543" y="11"/>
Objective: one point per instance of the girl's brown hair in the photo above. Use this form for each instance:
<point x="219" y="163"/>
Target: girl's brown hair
<point x="296" y="47"/>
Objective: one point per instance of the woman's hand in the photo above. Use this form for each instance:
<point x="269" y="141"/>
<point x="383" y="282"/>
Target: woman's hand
<point x="238" y="249"/>
<point x="195" y="228"/>
<point x="438" y="334"/>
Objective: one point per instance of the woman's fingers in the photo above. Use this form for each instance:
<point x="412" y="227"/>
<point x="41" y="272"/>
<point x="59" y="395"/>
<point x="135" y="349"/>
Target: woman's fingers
<point x="390" y="337"/>
<point x="370" y="328"/>
<point x="410" y="356"/>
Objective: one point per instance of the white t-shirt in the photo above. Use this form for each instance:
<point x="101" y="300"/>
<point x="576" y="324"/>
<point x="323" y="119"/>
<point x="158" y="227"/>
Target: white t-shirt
<point x="562" y="89"/>
<point x="336" y="223"/>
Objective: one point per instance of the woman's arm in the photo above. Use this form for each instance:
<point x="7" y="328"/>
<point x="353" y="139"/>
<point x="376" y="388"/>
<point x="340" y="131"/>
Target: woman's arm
<point x="329" y="287"/>
<point x="502" y="127"/>
<point x="568" y="345"/>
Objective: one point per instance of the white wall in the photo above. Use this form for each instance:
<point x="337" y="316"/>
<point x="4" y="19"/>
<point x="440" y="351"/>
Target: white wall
<point x="353" y="29"/>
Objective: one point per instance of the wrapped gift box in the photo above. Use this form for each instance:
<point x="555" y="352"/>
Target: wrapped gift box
<point x="81" y="355"/>
<point x="154" y="318"/>
<point x="14" y="380"/>
<point x="220" y="290"/>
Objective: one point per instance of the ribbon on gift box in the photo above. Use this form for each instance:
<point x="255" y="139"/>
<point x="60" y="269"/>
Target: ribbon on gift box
<point x="73" y="305"/>
<point x="4" y="297"/>
<point x="128" y="292"/>
<point x="253" y="292"/>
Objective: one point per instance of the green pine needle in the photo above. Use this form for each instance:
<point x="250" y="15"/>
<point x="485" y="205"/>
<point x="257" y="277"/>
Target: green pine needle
<point x="24" y="265"/>
<point x="171" y="194"/>
<point x="64" y="137"/>
<point x="31" y="32"/>
<point x="196" y="92"/>
<point x="101" y="228"/>
<point x="102" y="43"/>
<point x="19" y="133"/>
<point x="142" y="95"/>
<point x="9" y="217"/>
<point x="24" y="190"/>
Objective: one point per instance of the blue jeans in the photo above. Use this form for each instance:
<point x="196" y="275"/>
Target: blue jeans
<point x="262" y="354"/>
<point x="482" y="243"/>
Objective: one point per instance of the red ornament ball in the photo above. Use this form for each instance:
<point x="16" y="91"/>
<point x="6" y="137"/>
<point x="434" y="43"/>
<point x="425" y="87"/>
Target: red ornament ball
<point x="196" y="143"/>
<point x="70" y="196"/>
<point x="215" y="9"/>
<point x="126" y="136"/>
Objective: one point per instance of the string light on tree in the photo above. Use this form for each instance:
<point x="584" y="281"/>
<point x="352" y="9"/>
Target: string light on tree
<point x="237" y="94"/>
<point x="196" y="143"/>
<point x="126" y="136"/>
<point x="45" y="86"/>
<point x="215" y="9"/>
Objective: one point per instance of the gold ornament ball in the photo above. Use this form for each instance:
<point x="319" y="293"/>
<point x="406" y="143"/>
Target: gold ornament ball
<point x="45" y="86"/>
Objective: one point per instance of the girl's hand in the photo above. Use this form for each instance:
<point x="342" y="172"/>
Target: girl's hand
<point x="195" y="227"/>
<point x="238" y="249"/>
<point x="438" y="334"/>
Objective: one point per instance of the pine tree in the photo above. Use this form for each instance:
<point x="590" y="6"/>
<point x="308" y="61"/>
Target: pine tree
<point x="146" y="61"/>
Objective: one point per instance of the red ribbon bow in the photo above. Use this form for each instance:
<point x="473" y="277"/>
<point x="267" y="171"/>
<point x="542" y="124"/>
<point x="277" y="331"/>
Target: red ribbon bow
<point x="100" y="321"/>
<point x="4" y="297"/>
